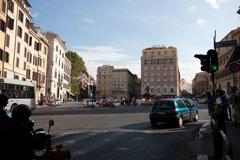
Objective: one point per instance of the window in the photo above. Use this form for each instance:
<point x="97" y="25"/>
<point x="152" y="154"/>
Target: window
<point x="20" y="16"/>
<point x="171" y="90"/>
<point x="30" y="41"/>
<point x="24" y="65"/>
<point x="55" y="75"/>
<point x="11" y="6"/>
<point x="2" y="25"/>
<point x="28" y="73"/>
<point x="39" y="61"/>
<point x="4" y="74"/>
<point x="19" y="32"/>
<point x="17" y="62"/>
<point x="18" y="48"/>
<point x="57" y="48"/>
<point x="26" y="37"/>
<point x="7" y="40"/>
<point x="3" y="6"/>
<point x="45" y="50"/>
<point x="25" y="52"/>
<point x="10" y="23"/>
<point x="6" y="57"/>
<point x="27" y="23"/>
<point x="16" y="77"/>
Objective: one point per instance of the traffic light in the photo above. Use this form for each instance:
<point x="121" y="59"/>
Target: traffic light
<point x="205" y="62"/>
<point x="214" y="60"/>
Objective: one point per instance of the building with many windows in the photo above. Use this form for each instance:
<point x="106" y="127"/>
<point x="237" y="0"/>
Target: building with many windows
<point x="201" y="83"/>
<point x="55" y="65"/>
<point x="160" y="72"/>
<point x="224" y="78"/>
<point x="23" y="47"/>
<point x="116" y="83"/>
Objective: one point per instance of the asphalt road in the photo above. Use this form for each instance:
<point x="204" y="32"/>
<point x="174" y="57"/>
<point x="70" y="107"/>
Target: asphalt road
<point x="118" y="133"/>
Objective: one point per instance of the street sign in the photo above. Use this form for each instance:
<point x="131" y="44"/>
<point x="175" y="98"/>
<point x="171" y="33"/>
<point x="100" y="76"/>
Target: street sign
<point x="225" y="43"/>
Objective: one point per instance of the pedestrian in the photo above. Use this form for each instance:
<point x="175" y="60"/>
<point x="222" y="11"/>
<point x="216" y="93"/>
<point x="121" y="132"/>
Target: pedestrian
<point x="233" y="102"/>
<point x="21" y="115"/>
<point x="210" y="102"/>
<point x="220" y="110"/>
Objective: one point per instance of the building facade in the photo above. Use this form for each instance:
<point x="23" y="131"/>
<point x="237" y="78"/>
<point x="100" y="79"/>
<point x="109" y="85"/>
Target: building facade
<point x="3" y="17"/>
<point x="160" y="72"/>
<point x="224" y="78"/>
<point x="67" y="79"/>
<point x="117" y="83"/>
<point x="201" y="83"/>
<point x="23" y="47"/>
<point x="55" y="66"/>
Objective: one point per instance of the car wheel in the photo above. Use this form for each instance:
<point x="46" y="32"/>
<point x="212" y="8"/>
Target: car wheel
<point x="196" y="118"/>
<point x="154" y="123"/>
<point x="180" y="122"/>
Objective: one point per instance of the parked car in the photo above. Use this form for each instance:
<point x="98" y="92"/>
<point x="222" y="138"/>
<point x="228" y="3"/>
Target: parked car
<point x="56" y="102"/>
<point x="117" y="104"/>
<point x="105" y="103"/>
<point x="89" y="103"/>
<point x="174" y="111"/>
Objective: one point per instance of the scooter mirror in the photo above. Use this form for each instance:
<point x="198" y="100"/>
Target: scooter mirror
<point x="51" y="122"/>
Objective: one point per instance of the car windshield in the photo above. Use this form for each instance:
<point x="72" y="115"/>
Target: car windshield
<point x="163" y="105"/>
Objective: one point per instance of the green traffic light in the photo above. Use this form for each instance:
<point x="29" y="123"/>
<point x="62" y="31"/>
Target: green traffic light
<point x="214" y="67"/>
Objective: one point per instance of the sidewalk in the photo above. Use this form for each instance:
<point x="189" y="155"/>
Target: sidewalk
<point x="233" y="133"/>
<point x="205" y="143"/>
<point x="63" y="105"/>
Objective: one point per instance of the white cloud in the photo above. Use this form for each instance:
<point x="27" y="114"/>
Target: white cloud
<point x="201" y="22"/>
<point x="88" y="20"/>
<point x="106" y="55"/>
<point x="216" y="3"/>
<point x="192" y="8"/>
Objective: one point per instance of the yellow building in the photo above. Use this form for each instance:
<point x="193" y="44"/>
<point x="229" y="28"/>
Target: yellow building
<point x="3" y="16"/>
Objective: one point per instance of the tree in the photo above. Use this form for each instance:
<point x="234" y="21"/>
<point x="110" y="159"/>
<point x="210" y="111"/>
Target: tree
<point x="78" y="66"/>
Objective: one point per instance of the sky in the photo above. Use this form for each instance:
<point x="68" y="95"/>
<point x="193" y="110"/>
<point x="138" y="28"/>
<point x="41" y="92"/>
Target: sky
<point x="114" y="32"/>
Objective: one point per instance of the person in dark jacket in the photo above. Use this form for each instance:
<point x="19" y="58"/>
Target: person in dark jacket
<point x="14" y="136"/>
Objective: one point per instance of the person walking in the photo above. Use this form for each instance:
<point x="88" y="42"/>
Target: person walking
<point x="220" y="110"/>
<point x="210" y="102"/>
<point x="233" y="100"/>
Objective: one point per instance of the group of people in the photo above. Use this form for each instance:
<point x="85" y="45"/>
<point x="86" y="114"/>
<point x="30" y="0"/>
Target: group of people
<point x="15" y="131"/>
<point x="224" y="107"/>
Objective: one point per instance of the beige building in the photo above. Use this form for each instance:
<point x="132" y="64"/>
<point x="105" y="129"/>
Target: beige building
<point x="24" y="46"/>
<point x="224" y="78"/>
<point x="67" y="78"/>
<point x="201" y="83"/>
<point x="3" y="15"/>
<point x="55" y="66"/>
<point x="116" y="83"/>
<point x="160" y="72"/>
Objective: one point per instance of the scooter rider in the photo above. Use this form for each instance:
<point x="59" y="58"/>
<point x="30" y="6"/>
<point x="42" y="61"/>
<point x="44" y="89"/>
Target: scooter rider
<point x="21" y="115"/>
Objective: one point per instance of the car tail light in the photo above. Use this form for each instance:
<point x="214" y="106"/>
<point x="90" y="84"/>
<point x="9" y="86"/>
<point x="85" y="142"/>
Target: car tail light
<point x="174" y="111"/>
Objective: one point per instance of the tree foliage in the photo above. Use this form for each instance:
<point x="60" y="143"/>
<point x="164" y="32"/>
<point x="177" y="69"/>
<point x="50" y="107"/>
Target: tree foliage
<point x="78" y="66"/>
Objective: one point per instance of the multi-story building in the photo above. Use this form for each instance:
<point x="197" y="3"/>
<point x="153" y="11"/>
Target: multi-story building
<point x="55" y="66"/>
<point x="67" y="78"/>
<point x="23" y="46"/>
<point x="117" y="83"/>
<point x="16" y="38"/>
<point x="3" y="17"/>
<point x="160" y="72"/>
<point x="201" y="83"/>
<point x="224" y="78"/>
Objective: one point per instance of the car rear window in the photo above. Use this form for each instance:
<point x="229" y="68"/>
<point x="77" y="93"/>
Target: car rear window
<point x="163" y="105"/>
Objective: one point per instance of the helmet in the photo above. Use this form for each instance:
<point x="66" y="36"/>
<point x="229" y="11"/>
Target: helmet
<point x="21" y="112"/>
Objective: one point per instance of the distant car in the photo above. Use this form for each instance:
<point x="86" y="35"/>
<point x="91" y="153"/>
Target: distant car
<point x="117" y="104"/>
<point x="105" y="103"/>
<point x="174" y="111"/>
<point x="56" y="102"/>
<point x="89" y="103"/>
